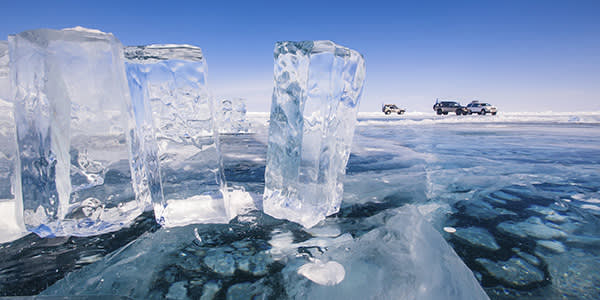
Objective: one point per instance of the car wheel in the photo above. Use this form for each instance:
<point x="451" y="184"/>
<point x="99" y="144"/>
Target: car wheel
<point x="483" y="112"/>
<point x="470" y="113"/>
<point x="387" y="112"/>
<point x="400" y="112"/>
<point x="445" y="113"/>
<point x="439" y="111"/>
<point x="494" y="113"/>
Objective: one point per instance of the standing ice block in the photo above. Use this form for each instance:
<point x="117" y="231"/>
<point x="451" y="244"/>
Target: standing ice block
<point x="75" y="132"/>
<point x="173" y="86"/>
<point x="315" y="100"/>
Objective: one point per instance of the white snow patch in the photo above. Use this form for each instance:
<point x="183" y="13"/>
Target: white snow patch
<point x="591" y="200"/>
<point x="589" y="206"/>
<point x="578" y="197"/>
<point x="83" y="29"/>
<point x="238" y="202"/>
<point x="329" y="273"/>
<point x="11" y="228"/>
<point x="325" y="231"/>
<point x="450" y="229"/>
<point x="202" y="209"/>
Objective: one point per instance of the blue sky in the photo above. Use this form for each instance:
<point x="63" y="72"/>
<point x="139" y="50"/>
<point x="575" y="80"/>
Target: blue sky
<point x="518" y="55"/>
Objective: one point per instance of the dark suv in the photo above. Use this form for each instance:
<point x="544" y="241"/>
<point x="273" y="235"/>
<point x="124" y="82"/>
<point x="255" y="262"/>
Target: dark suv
<point x="444" y="107"/>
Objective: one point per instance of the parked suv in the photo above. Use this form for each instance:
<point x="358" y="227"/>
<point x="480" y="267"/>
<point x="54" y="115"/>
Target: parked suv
<point x="444" y="107"/>
<point x="390" y="108"/>
<point x="481" y="108"/>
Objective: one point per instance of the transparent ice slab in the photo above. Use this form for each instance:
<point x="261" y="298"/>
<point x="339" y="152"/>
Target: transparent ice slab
<point x="75" y="132"/>
<point x="174" y="89"/>
<point x="317" y="90"/>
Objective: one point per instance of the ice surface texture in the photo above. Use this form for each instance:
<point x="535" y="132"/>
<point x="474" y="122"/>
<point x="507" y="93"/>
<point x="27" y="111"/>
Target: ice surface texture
<point x="171" y="84"/>
<point x="231" y="116"/>
<point x="403" y="257"/>
<point x="317" y="89"/>
<point x="75" y="130"/>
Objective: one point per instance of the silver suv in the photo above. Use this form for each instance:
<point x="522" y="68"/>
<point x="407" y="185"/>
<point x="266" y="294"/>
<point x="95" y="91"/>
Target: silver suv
<point x="392" y="108"/>
<point x="444" y="107"/>
<point x="481" y="108"/>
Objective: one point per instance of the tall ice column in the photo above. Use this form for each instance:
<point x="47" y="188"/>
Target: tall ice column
<point x="75" y="132"/>
<point x="318" y="85"/>
<point x="182" y="113"/>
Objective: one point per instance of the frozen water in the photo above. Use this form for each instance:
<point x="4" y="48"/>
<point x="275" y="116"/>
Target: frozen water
<point x="11" y="205"/>
<point x="263" y="258"/>
<point x="478" y="209"/>
<point x="177" y="291"/>
<point x="210" y="290"/>
<point x="4" y="82"/>
<point x="574" y="273"/>
<point x="532" y="227"/>
<point x="437" y="167"/>
<point x="173" y="87"/>
<point x="329" y="273"/>
<point x="526" y="256"/>
<point x="315" y="100"/>
<point x="75" y="131"/>
<point x="390" y="262"/>
<point x="477" y="237"/>
<point x="231" y="116"/>
<point x="389" y="252"/>
<point x="555" y="246"/>
<point x="514" y="272"/>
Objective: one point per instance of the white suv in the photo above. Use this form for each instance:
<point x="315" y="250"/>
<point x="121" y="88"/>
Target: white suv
<point x="481" y="108"/>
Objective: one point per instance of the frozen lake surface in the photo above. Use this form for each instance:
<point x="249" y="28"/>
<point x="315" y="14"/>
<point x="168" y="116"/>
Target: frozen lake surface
<point x="515" y="196"/>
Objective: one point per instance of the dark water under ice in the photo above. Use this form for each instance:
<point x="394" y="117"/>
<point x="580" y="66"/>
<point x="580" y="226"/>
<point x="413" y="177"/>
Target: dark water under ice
<point x="518" y="201"/>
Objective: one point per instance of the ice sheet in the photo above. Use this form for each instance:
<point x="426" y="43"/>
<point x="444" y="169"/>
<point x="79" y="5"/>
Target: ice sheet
<point x="402" y="258"/>
<point x="426" y="118"/>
